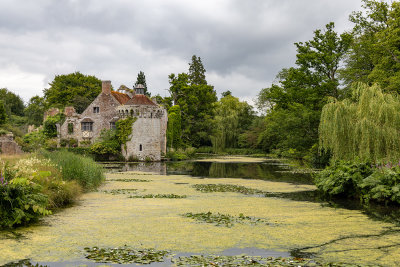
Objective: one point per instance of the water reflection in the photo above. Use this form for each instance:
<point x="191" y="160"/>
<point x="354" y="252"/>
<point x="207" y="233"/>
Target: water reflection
<point x="270" y="171"/>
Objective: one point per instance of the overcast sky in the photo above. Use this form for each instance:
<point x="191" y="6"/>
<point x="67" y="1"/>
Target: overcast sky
<point x="243" y="43"/>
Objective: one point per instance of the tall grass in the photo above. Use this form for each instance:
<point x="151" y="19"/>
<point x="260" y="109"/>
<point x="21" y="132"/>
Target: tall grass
<point x="75" y="167"/>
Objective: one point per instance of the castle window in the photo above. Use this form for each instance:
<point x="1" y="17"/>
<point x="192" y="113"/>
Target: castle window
<point x="112" y="125"/>
<point x="70" y="128"/>
<point x="87" y="126"/>
<point x="96" y="109"/>
<point x="140" y="147"/>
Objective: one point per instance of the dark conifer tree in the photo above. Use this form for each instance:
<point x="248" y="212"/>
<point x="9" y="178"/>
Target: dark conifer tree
<point x="141" y="79"/>
<point x="197" y="71"/>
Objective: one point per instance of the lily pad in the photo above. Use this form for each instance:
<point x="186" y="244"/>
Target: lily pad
<point x="125" y="254"/>
<point x="129" y="180"/>
<point x="224" y="219"/>
<point x="209" y="188"/>
<point x="159" y="196"/>
<point x="120" y="191"/>
<point x="242" y="260"/>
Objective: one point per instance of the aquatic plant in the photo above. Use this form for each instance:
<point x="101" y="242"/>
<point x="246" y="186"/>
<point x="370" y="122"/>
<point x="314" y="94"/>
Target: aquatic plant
<point x="242" y="260"/>
<point x="122" y="191"/>
<point x="159" y="196"/>
<point x="224" y="219"/>
<point x="209" y="188"/>
<point x="125" y="254"/>
<point x="129" y="180"/>
<point x="23" y="263"/>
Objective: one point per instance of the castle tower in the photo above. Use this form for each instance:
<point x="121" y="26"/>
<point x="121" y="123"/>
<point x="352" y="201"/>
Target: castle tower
<point x="148" y="138"/>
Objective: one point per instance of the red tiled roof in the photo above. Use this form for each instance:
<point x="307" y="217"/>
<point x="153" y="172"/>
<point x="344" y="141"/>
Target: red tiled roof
<point x="140" y="100"/>
<point x="120" y="97"/>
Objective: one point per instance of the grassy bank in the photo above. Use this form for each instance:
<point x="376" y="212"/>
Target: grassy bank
<point x="34" y="185"/>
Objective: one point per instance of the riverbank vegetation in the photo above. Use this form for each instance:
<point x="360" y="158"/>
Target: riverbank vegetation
<point x="32" y="186"/>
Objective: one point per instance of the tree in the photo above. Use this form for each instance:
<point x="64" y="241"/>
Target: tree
<point x="3" y="115"/>
<point x="366" y="126"/>
<point x="197" y="71"/>
<point x="174" y="130"/>
<point x="232" y="118"/>
<point x="65" y="89"/>
<point x="35" y="110"/>
<point x="197" y="109"/>
<point x="375" y="53"/>
<point x="293" y="106"/>
<point x="141" y="79"/>
<point x="13" y="103"/>
<point x="226" y="93"/>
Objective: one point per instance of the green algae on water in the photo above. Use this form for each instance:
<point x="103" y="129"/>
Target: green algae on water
<point x="111" y="221"/>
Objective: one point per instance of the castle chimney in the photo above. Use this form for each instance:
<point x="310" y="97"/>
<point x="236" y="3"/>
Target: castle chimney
<point x="106" y="87"/>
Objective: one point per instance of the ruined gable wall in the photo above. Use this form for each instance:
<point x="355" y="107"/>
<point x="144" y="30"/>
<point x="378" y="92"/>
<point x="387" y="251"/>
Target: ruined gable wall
<point x="8" y="146"/>
<point x="107" y="107"/>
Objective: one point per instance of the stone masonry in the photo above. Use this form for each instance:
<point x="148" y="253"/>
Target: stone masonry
<point x="8" y="146"/>
<point x="148" y="139"/>
<point x="100" y="114"/>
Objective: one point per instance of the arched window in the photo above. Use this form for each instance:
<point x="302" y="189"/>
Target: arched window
<point x="140" y="147"/>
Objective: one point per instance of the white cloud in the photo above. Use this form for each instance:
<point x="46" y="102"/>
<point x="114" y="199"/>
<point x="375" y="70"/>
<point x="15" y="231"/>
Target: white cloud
<point x="24" y="84"/>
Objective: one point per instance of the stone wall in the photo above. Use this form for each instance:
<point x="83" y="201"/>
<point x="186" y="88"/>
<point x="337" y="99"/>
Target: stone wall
<point x="106" y="104"/>
<point x="145" y="140"/>
<point x="8" y="146"/>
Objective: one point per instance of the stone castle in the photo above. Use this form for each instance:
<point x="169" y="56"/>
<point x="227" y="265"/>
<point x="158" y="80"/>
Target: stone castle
<point x="148" y="138"/>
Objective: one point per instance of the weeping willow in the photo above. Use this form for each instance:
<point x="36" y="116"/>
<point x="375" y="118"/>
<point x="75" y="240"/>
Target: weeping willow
<point x="226" y="121"/>
<point x="366" y="126"/>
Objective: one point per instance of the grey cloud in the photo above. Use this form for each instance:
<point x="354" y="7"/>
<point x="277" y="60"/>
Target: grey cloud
<point x="238" y="41"/>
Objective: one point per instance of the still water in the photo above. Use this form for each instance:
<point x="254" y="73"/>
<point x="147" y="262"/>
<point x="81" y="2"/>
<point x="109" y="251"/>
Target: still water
<point x="268" y="170"/>
<point x="301" y="223"/>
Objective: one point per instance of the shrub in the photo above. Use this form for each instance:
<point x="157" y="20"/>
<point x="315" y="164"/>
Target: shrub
<point x="181" y="154"/>
<point x="343" y="178"/>
<point x="383" y="185"/>
<point x="133" y="158"/>
<point x="51" y="144"/>
<point x="107" y="144"/>
<point x="33" y="141"/>
<point x="60" y="193"/>
<point x="380" y="183"/>
<point x="50" y="125"/>
<point x="205" y="149"/>
<point x="21" y="202"/>
<point x="46" y="174"/>
<point x="75" y="167"/>
<point x="70" y="142"/>
<point x="84" y="151"/>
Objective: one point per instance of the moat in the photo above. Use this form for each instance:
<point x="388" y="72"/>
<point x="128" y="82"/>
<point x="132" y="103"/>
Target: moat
<point x="273" y="211"/>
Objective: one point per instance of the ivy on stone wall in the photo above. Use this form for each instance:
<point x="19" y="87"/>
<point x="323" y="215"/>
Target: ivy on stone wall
<point x="50" y="125"/>
<point x="124" y="129"/>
